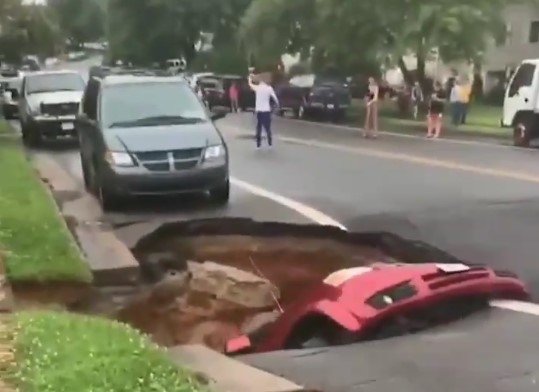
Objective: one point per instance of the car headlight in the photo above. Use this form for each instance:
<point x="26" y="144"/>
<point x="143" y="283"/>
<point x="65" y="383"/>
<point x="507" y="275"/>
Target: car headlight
<point x="35" y="110"/>
<point x="214" y="152"/>
<point x="119" y="159"/>
<point x="391" y="295"/>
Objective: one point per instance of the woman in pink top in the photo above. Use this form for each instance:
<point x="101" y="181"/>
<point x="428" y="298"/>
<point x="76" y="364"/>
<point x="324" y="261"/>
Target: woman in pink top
<point x="233" y="95"/>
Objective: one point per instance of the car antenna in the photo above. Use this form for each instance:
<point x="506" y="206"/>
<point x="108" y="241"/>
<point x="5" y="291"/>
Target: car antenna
<point x="257" y="270"/>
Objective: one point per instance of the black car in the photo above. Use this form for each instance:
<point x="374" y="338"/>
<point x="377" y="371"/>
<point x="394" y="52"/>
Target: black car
<point x="9" y="96"/>
<point x="310" y="94"/>
<point x="149" y="135"/>
<point x="215" y="90"/>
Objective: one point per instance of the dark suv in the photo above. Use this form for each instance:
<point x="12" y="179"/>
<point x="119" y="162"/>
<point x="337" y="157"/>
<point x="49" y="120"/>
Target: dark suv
<point x="309" y="94"/>
<point x="215" y="89"/>
<point x="149" y="135"/>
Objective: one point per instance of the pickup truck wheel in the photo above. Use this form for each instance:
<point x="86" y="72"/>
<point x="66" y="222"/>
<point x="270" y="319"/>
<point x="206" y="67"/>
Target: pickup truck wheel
<point x="30" y="136"/>
<point x="221" y="194"/>
<point x="521" y="133"/>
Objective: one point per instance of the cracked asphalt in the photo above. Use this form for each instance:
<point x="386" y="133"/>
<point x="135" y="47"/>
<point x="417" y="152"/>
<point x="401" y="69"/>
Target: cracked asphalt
<point x="477" y="199"/>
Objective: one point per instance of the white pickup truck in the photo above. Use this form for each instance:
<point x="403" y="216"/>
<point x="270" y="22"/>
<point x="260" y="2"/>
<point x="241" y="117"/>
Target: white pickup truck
<point x="521" y="103"/>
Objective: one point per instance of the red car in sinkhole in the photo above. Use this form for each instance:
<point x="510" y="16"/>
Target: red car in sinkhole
<point x="380" y="301"/>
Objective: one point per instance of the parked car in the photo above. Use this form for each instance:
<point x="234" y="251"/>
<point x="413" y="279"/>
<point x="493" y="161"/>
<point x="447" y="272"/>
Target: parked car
<point x="377" y="302"/>
<point x="310" y="94"/>
<point x="215" y="91"/>
<point x="48" y="104"/>
<point x="9" y="97"/>
<point x="143" y="135"/>
<point x="194" y="78"/>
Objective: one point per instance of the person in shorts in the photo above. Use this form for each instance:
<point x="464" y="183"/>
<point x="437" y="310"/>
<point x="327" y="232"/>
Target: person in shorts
<point x="436" y="110"/>
<point x="417" y="99"/>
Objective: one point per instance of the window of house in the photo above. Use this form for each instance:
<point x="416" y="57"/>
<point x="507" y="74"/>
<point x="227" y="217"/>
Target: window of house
<point x="534" y="31"/>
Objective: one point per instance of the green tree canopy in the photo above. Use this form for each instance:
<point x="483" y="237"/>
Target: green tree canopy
<point x="28" y="29"/>
<point x="80" y="20"/>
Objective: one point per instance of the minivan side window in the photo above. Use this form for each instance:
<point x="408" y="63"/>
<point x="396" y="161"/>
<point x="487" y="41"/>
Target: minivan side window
<point x="89" y="104"/>
<point x="523" y="78"/>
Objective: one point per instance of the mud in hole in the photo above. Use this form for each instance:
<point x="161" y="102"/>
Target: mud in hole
<point x="293" y="258"/>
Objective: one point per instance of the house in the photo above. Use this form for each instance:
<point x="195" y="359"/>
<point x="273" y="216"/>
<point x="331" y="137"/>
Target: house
<point x="521" y="42"/>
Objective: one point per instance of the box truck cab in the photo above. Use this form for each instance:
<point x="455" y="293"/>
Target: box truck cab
<point x="521" y="103"/>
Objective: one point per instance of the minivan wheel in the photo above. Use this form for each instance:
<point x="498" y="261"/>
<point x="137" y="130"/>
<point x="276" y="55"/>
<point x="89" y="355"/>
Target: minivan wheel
<point x="521" y="134"/>
<point x="107" y="201"/>
<point x="221" y="194"/>
<point x="85" y="174"/>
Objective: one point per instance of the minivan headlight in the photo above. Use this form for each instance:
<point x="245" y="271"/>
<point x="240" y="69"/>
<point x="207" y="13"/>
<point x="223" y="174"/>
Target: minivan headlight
<point x="214" y="152"/>
<point x="119" y="158"/>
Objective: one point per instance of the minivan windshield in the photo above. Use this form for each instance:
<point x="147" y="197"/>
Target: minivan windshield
<point x="150" y="104"/>
<point x="45" y="83"/>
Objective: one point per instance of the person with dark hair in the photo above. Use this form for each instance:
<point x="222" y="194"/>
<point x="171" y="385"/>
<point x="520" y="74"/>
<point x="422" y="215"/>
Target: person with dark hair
<point x="436" y="110"/>
<point x="371" y="116"/>
<point x="233" y="96"/>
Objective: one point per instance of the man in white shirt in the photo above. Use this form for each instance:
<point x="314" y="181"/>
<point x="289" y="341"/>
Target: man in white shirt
<point x="264" y="94"/>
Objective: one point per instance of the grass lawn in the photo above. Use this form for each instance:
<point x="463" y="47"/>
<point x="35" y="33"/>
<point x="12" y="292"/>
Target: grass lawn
<point x="64" y="352"/>
<point x="34" y="242"/>
<point x="481" y="120"/>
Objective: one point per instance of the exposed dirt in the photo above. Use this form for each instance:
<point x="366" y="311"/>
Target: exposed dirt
<point x="294" y="265"/>
<point x="63" y="294"/>
<point x="292" y="257"/>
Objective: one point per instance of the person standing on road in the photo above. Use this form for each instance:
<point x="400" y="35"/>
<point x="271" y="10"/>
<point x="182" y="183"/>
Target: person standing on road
<point x="436" y="109"/>
<point x="233" y="96"/>
<point x="264" y="95"/>
<point x="371" y="115"/>
<point x="465" y="93"/>
<point x="417" y="99"/>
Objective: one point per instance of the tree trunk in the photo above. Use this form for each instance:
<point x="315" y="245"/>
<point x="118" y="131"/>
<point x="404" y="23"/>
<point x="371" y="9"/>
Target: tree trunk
<point x="420" y="72"/>
<point x="406" y="74"/>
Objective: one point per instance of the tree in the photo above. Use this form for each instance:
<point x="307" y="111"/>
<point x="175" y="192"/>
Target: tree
<point x="355" y="34"/>
<point x="80" y="20"/>
<point x="271" y="28"/>
<point x="176" y="34"/>
<point x="27" y="29"/>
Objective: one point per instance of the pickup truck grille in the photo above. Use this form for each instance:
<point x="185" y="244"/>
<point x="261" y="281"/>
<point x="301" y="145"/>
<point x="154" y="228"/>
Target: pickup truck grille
<point x="165" y="161"/>
<point x="60" y="109"/>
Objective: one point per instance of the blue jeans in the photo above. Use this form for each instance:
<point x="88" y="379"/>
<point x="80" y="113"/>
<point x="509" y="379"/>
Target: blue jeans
<point x="457" y="112"/>
<point x="263" y="120"/>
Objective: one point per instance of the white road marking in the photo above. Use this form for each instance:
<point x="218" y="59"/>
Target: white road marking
<point x="325" y="220"/>
<point x="302" y="209"/>
<point x="407" y="136"/>
<point x="516" y="306"/>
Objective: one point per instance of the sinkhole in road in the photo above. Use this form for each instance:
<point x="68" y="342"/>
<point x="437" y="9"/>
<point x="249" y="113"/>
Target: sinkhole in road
<point x="211" y="280"/>
<point x="205" y="281"/>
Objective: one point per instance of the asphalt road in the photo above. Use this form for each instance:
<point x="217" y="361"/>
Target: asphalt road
<point x="479" y="201"/>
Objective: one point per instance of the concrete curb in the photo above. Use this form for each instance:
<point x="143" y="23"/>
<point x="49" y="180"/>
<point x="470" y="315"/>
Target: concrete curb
<point x="109" y="259"/>
<point x="226" y="374"/>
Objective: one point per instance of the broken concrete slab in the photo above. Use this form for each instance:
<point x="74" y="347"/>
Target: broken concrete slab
<point x="226" y="374"/>
<point x="110" y="260"/>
